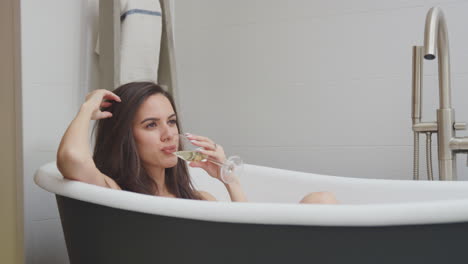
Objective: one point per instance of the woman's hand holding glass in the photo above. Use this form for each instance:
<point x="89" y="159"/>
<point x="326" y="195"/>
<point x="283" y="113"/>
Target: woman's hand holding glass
<point x="225" y="170"/>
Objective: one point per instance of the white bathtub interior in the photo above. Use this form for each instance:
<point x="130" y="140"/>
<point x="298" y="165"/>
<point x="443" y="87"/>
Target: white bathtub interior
<point x="272" y="185"/>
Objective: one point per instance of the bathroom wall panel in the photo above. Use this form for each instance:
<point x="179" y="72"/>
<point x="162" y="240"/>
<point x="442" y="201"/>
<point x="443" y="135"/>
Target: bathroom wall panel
<point x="459" y="98"/>
<point x="364" y="34"/>
<point x="209" y="13"/>
<point x="216" y="13"/>
<point x="361" y="162"/>
<point x="267" y="11"/>
<point x="50" y="107"/>
<point x="344" y="112"/>
<point x="373" y="40"/>
<point x="55" y="60"/>
<point x="39" y="204"/>
<point x="51" y="41"/>
<point x="211" y="98"/>
<point x="384" y="162"/>
<point x="48" y="242"/>
<point x="313" y="74"/>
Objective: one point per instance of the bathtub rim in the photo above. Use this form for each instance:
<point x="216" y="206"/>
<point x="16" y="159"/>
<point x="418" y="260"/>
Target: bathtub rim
<point x="389" y="214"/>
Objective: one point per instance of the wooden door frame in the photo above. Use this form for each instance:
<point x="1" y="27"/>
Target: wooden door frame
<point x="11" y="141"/>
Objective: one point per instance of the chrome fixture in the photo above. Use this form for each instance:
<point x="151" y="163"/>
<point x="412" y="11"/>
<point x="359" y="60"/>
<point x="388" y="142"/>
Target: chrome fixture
<point x="436" y="36"/>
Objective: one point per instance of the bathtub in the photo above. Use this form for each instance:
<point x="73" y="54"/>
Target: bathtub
<point x="377" y="221"/>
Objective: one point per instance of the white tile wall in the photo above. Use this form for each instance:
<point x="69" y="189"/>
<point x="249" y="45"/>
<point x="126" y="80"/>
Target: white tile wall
<point x="48" y="242"/>
<point x="54" y="28"/>
<point x="58" y="67"/>
<point x="319" y="86"/>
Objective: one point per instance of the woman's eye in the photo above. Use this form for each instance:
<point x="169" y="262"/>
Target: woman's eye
<point x="150" y="125"/>
<point x="173" y="121"/>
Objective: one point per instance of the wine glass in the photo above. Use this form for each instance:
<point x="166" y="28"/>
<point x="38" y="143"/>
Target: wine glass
<point x="230" y="169"/>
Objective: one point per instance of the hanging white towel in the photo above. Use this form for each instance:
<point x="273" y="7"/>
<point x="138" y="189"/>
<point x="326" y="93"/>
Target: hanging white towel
<point x="141" y="28"/>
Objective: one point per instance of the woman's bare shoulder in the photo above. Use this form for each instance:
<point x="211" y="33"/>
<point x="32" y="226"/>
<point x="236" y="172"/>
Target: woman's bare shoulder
<point x="207" y="196"/>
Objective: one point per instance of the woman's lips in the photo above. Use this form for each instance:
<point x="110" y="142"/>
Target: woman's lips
<point x="169" y="149"/>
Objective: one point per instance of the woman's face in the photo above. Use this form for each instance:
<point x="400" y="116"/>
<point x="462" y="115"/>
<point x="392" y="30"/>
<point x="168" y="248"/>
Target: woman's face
<point x="155" y="131"/>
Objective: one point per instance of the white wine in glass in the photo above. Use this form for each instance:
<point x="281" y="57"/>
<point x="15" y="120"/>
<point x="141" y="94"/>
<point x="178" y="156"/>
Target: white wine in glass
<point x="233" y="167"/>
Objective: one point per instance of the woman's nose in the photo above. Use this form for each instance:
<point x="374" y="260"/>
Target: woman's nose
<point x="166" y="134"/>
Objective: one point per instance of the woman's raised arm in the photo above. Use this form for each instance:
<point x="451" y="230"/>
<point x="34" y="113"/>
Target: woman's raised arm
<point x="74" y="156"/>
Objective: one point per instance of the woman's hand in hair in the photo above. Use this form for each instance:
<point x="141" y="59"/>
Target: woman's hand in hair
<point x="98" y="99"/>
<point x="213" y="151"/>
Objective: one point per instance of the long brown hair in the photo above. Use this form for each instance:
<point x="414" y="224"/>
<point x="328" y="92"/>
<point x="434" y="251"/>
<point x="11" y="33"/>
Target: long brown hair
<point x="115" y="152"/>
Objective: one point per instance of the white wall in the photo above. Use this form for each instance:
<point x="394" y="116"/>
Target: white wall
<point x="58" y="67"/>
<point x="318" y="86"/>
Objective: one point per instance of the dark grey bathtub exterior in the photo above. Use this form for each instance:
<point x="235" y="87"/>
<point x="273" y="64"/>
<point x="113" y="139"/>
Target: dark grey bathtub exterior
<point x="100" y="234"/>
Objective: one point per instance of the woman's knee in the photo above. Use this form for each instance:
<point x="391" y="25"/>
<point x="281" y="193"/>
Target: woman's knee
<point x="319" y="198"/>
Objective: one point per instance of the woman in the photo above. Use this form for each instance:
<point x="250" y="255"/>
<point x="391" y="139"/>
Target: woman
<point x="136" y="136"/>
